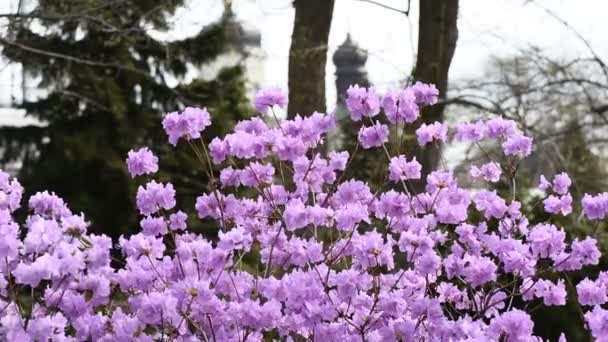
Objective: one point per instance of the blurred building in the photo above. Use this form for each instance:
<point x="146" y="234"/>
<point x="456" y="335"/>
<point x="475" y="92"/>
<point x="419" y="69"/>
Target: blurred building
<point x="349" y="60"/>
<point x="15" y="87"/>
<point x="244" y="47"/>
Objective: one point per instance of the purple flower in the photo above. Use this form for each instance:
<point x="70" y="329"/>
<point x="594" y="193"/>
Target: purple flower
<point x="155" y="196"/>
<point x="516" y="257"/>
<point x="153" y="226"/>
<point x="324" y="246"/>
<point x="50" y="327"/>
<point x="500" y="128"/>
<point x="246" y="145"/>
<point x="590" y="293"/>
<point x="10" y="192"/>
<point x="449" y="293"/>
<point x="362" y="102"/>
<point x="552" y="294"/>
<point x="125" y="327"/>
<point x="429" y="133"/>
<point x="48" y="205"/>
<point x="519" y="145"/>
<point x="269" y="97"/>
<point x="289" y="148"/>
<point x="392" y="204"/>
<point x="98" y="255"/>
<point x="452" y="206"/>
<point x="90" y="325"/>
<point x="296" y="215"/>
<point x="558" y="205"/>
<point x="514" y="325"/>
<point x="371" y="249"/>
<point x="544" y="184"/>
<point x="597" y="319"/>
<point x="373" y="136"/>
<point x="208" y="206"/>
<point x="471" y="131"/>
<point x="401" y="107"/>
<point x="489" y="172"/>
<point x="235" y="239"/>
<point x="426" y="94"/>
<point x="140" y="244"/>
<point x="188" y="124"/>
<point x="585" y="252"/>
<point x="256" y="174"/>
<point x="43" y="268"/>
<point x="595" y="207"/>
<point x="74" y="224"/>
<point x="349" y="216"/>
<point x="439" y="180"/>
<point x="218" y="150"/>
<point x="338" y="160"/>
<point x="230" y="177"/>
<point x="177" y="221"/>
<point x="10" y="244"/>
<point x="561" y="183"/>
<point x="352" y="191"/>
<point x="400" y="169"/>
<point x="142" y="162"/>
<point x="155" y="307"/>
<point x="490" y="204"/>
<point x="429" y="263"/>
<point x="479" y="270"/>
<point x="546" y="241"/>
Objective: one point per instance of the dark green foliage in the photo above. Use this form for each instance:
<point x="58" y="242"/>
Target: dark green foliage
<point x="587" y="177"/>
<point x="107" y="94"/>
<point x="572" y="155"/>
<point x="365" y="164"/>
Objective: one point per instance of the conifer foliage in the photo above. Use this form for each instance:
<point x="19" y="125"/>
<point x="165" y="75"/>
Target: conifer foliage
<point x="105" y="75"/>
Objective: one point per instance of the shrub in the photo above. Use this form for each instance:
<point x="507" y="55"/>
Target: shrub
<point x="302" y="251"/>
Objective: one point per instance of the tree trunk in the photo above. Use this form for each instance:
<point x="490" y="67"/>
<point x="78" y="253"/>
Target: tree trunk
<point x="308" y="55"/>
<point x="437" y="36"/>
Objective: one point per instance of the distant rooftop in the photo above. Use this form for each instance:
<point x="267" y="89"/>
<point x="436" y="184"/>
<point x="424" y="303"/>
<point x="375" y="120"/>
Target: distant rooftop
<point x="16" y="118"/>
<point x="349" y="54"/>
<point x="240" y="35"/>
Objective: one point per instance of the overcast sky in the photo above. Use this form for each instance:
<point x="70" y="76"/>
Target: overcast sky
<point x="486" y="28"/>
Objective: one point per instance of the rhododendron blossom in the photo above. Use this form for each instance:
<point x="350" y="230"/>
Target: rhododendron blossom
<point x="141" y="162"/>
<point x="362" y="102"/>
<point x="188" y="124"/>
<point x="267" y="98"/>
<point x="299" y="250"/>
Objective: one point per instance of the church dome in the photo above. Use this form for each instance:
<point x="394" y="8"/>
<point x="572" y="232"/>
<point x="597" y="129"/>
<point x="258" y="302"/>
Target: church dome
<point x="349" y="54"/>
<point x="238" y="34"/>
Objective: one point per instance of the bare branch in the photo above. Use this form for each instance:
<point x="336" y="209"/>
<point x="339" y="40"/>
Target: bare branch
<point x="405" y="12"/>
<point x="95" y="64"/>
<point x="577" y="34"/>
<point x="70" y="17"/>
<point x="85" y="99"/>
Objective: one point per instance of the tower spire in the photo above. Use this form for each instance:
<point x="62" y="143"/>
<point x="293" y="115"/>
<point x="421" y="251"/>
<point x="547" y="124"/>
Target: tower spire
<point x="349" y="60"/>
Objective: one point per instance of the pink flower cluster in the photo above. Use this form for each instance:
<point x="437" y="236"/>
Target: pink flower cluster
<point x="303" y="251"/>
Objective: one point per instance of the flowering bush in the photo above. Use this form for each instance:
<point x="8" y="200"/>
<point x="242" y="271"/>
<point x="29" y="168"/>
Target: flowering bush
<point x="303" y="252"/>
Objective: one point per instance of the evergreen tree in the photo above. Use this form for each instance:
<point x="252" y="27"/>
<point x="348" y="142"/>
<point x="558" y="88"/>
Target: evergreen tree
<point x="350" y="61"/>
<point x="104" y="77"/>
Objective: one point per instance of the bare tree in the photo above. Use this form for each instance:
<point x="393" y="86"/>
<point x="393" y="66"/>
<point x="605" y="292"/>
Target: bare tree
<point x="551" y="99"/>
<point x="308" y="55"/>
<point x="437" y="36"/>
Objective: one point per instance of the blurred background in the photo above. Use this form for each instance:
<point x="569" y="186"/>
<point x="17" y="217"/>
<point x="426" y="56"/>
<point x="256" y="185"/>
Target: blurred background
<point x="84" y="81"/>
